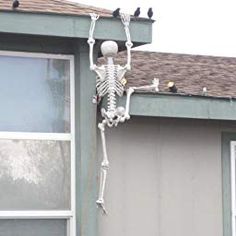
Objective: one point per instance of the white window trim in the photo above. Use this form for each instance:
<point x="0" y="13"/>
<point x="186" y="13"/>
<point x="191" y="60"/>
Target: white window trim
<point x="35" y="136"/>
<point x="36" y="214"/>
<point x="233" y="188"/>
<point x="69" y="215"/>
<point x="36" y="55"/>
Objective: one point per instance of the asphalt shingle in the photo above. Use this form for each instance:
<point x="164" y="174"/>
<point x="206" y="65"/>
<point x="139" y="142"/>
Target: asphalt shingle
<point x="189" y="72"/>
<point x="53" y="6"/>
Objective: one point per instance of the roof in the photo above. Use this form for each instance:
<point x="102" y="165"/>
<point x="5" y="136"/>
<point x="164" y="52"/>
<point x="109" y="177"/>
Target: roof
<point x="189" y="72"/>
<point x="53" y="6"/>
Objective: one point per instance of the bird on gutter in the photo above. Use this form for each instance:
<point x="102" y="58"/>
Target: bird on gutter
<point x="15" y="4"/>
<point x="137" y="12"/>
<point x="116" y="13"/>
<point x="150" y="13"/>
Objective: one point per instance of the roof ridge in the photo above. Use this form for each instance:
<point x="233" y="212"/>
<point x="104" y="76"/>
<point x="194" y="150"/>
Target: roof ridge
<point x="173" y="61"/>
<point x="186" y="54"/>
<point x="76" y="4"/>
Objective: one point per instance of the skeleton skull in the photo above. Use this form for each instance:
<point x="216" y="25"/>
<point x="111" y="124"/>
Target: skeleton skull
<point x="109" y="49"/>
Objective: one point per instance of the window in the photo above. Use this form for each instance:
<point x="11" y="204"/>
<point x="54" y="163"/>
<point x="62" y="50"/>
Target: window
<point x="37" y="147"/>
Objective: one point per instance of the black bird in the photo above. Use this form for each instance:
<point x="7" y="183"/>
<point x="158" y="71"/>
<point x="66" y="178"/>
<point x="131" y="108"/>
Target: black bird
<point x="137" y="12"/>
<point x="150" y="13"/>
<point x="15" y="4"/>
<point x="116" y="13"/>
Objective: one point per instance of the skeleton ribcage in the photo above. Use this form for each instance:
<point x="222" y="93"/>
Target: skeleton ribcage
<point x="110" y="86"/>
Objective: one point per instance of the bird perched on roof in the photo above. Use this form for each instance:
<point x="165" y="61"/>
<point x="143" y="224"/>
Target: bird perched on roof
<point x="116" y="13"/>
<point x="15" y="4"/>
<point x="150" y="13"/>
<point x="137" y="12"/>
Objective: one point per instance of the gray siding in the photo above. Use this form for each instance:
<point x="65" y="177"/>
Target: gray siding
<point x="165" y="178"/>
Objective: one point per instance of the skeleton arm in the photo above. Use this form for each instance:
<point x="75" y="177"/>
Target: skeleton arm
<point x="128" y="64"/>
<point x="100" y="70"/>
<point x="91" y="40"/>
<point x="154" y="86"/>
<point x="126" y="20"/>
<point x="91" y="44"/>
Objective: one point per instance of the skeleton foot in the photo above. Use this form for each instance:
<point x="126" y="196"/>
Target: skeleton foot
<point x="101" y="205"/>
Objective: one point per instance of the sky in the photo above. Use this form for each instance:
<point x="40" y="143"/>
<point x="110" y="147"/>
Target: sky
<point x="203" y="27"/>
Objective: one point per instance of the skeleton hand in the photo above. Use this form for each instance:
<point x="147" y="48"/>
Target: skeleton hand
<point x="155" y="83"/>
<point x="125" y="19"/>
<point x="94" y="16"/>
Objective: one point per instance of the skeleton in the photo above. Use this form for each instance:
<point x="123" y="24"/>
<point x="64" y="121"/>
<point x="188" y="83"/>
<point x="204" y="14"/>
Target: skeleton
<point x="110" y="82"/>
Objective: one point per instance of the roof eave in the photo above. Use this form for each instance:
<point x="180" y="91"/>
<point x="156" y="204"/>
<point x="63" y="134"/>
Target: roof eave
<point x="72" y="26"/>
<point x="175" y="106"/>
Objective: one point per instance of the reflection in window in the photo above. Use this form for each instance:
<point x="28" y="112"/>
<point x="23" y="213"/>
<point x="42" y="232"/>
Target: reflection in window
<point x="34" y="94"/>
<point x="33" y="227"/>
<point x="35" y="175"/>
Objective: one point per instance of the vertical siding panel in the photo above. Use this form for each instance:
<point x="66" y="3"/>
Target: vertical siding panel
<point x="86" y="158"/>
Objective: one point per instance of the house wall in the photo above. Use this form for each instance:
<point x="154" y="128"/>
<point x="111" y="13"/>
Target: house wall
<point x="85" y="117"/>
<point x="165" y="178"/>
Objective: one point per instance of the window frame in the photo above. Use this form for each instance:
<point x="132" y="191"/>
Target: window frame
<point x="233" y="187"/>
<point x="69" y="215"/>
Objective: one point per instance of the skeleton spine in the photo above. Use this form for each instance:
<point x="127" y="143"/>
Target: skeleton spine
<point x="111" y="97"/>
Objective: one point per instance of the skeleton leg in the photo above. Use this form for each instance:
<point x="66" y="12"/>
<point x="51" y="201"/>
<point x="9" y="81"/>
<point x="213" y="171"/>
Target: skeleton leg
<point x="104" y="167"/>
